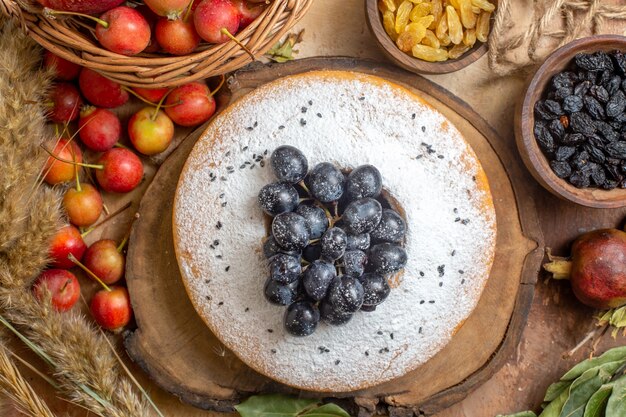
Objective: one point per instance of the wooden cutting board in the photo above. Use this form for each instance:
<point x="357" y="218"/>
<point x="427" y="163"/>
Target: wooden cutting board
<point x="178" y="351"/>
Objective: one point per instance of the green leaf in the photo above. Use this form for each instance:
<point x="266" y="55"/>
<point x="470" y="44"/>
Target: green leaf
<point x="597" y="403"/>
<point x="615" y="354"/>
<point x="327" y="410"/>
<point x="554" y="408"/>
<point x="274" y="405"/>
<point x="522" y="414"/>
<point x="283" y="51"/>
<point x="616" y="406"/>
<point x="556" y="389"/>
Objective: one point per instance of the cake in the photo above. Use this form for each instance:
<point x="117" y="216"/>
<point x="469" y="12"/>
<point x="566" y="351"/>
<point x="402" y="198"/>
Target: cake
<point x="350" y="119"/>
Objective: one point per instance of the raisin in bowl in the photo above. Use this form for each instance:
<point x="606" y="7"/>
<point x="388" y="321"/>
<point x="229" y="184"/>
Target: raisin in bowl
<point x="570" y="126"/>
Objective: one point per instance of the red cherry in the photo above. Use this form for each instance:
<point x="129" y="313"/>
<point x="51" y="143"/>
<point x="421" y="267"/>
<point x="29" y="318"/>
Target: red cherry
<point x="212" y="16"/>
<point x="111" y="309"/>
<point x="58" y="171"/>
<point x="172" y="9"/>
<point x="105" y="260"/>
<point x="248" y="13"/>
<point x="101" y="91"/>
<point x="81" y="6"/>
<point x="63" y="69"/>
<point x="62" y="285"/>
<point x="65" y="241"/>
<point x="149" y="134"/>
<point x="177" y="37"/>
<point x="66" y="102"/>
<point x="190" y="104"/>
<point x="153" y="95"/>
<point x="121" y="171"/>
<point x="99" y="129"/>
<point x="84" y="206"/>
<point x="124" y="31"/>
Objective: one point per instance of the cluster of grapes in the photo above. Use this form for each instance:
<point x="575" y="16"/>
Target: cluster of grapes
<point x="334" y="242"/>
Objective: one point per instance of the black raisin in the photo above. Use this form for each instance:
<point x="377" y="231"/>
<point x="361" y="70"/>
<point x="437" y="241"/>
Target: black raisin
<point x="619" y="59"/>
<point x="581" y="122"/>
<point x="543" y="112"/>
<point x="593" y="106"/>
<point x="573" y="139"/>
<point x="582" y="88"/>
<point x="616" y="104"/>
<point x="580" y="160"/>
<point x="613" y="84"/>
<point x="557" y="129"/>
<point x="564" y="79"/>
<point x="564" y="152"/>
<point x="609" y="184"/>
<point x="614" y="172"/>
<point x="573" y="104"/>
<point x="563" y="92"/>
<point x="616" y="149"/>
<point x="580" y="180"/>
<point x="599" y="93"/>
<point x="544" y="138"/>
<point x="561" y="168"/>
<point x="587" y="76"/>
<point x="598" y="61"/>
<point x="595" y="154"/>
<point x="604" y="78"/>
<point x="553" y="107"/>
<point x="598" y="176"/>
<point x="606" y="130"/>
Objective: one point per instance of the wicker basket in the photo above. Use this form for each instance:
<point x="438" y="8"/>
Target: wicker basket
<point x="69" y="38"/>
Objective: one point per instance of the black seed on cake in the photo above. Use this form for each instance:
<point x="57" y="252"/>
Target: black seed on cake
<point x="441" y="269"/>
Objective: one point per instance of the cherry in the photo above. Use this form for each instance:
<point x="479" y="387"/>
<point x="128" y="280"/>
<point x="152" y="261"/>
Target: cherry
<point x="172" y="9"/>
<point x="153" y="95"/>
<point x="66" y="242"/>
<point x="247" y="12"/>
<point x="111" y="309"/>
<point x="104" y="258"/>
<point x="120" y="171"/>
<point x="57" y="171"/>
<point x="62" y="285"/>
<point x="99" y="129"/>
<point x="190" y="104"/>
<point x="81" y="6"/>
<point x="123" y="30"/>
<point x="150" y="131"/>
<point x="101" y="91"/>
<point x="66" y="102"/>
<point x="177" y="37"/>
<point x="83" y="204"/>
<point x="215" y="18"/>
<point x="63" y="69"/>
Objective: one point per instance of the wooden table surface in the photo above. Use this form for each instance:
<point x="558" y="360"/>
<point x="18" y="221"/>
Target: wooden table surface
<point x="556" y="322"/>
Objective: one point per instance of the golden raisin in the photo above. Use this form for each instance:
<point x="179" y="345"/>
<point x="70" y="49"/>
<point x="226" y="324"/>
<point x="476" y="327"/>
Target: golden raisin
<point x="482" y="26"/>
<point x="430" y="54"/>
<point x="455" y="29"/>
<point x="389" y="23"/>
<point x="469" y="38"/>
<point x="408" y="39"/>
<point x="468" y="18"/>
<point x="458" y="50"/>
<point x="384" y="5"/>
<point x="484" y="5"/>
<point x="402" y="15"/>
<point x="420" y="10"/>
<point x="430" y="39"/>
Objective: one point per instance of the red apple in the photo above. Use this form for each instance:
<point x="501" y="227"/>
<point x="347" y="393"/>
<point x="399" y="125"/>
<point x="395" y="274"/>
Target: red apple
<point x="65" y="241"/>
<point x="177" y="37"/>
<point x="190" y="104"/>
<point x="151" y="18"/>
<point x="124" y="31"/>
<point x="62" y="285"/>
<point x="66" y="102"/>
<point x="111" y="309"/>
<point x="121" y="171"/>
<point x="172" y="9"/>
<point x="213" y="16"/>
<point x="57" y="171"/>
<point x="81" y="6"/>
<point x="101" y="91"/>
<point x="150" y="131"/>
<point x="84" y="206"/>
<point x="153" y="95"/>
<point x="248" y="12"/>
<point x="99" y="129"/>
<point x="105" y="260"/>
<point x="63" y="69"/>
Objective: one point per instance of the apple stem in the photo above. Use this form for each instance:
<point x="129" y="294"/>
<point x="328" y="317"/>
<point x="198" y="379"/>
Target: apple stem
<point x="78" y="187"/>
<point x="219" y="87"/>
<point x="120" y="145"/>
<point x="134" y="94"/>
<point x="51" y="13"/>
<point x="225" y="31"/>
<point x="72" y="258"/>
<point x="72" y="162"/>
<point x="112" y="215"/>
<point x="188" y="11"/>
<point x="120" y="247"/>
<point x="159" y="105"/>
<point x="559" y="267"/>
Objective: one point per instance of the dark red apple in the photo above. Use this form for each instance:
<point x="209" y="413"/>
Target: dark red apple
<point x="105" y="260"/>
<point x="62" y="285"/>
<point x="151" y="18"/>
<point x="81" y="6"/>
<point x="249" y="12"/>
<point x="212" y="17"/>
<point x="56" y="171"/>
<point x="176" y="37"/>
<point x="65" y="242"/>
<point x="123" y="30"/>
<point x="190" y="104"/>
<point x="111" y="309"/>
<point x="99" y="129"/>
<point x="101" y="91"/>
<point x="66" y="102"/>
<point x="64" y="70"/>
<point x="153" y="95"/>
<point x="121" y="171"/>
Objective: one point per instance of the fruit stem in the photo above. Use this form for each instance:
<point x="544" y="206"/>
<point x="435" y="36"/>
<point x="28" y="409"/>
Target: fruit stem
<point x="72" y="162"/>
<point x="559" y="267"/>
<point x="225" y="31"/>
<point x="120" y="145"/>
<point x="112" y="215"/>
<point x="314" y="241"/>
<point x="72" y="258"/>
<point x="51" y="13"/>
<point x="134" y="94"/>
<point x="120" y="247"/>
<point x="159" y="105"/>
<point x="188" y="11"/>
<point x="78" y="187"/>
<point x="219" y="87"/>
<point x="304" y="187"/>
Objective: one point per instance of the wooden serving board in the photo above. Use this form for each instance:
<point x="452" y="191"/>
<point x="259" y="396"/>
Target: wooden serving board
<point x="178" y="351"/>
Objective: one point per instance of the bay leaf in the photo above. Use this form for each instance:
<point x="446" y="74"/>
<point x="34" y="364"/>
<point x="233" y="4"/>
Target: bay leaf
<point x="554" y="408"/>
<point x="597" y="403"/>
<point x="556" y="389"/>
<point x="616" y="406"/>
<point x="326" y="410"/>
<point x="611" y="355"/>
<point x="274" y="405"/>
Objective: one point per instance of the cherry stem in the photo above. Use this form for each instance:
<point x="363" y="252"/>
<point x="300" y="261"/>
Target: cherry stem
<point x="135" y="94"/>
<point x="123" y="243"/>
<point x="67" y="282"/>
<point x="159" y="105"/>
<point x="78" y="187"/>
<point x="225" y="31"/>
<point x="52" y="12"/>
<point x="219" y="87"/>
<point x="120" y="145"/>
<point x="188" y="11"/>
<point x="72" y="258"/>
<point x="72" y="162"/>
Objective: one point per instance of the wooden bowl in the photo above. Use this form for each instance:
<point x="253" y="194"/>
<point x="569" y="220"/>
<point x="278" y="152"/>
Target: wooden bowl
<point x="532" y="155"/>
<point x="406" y="61"/>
